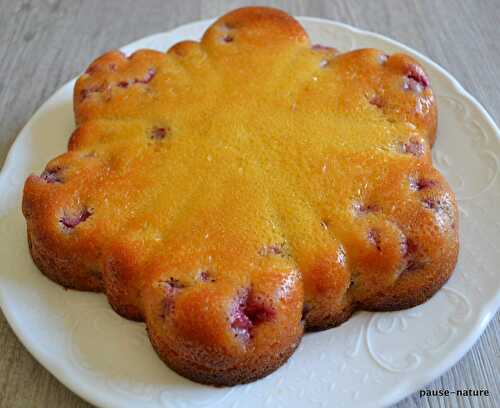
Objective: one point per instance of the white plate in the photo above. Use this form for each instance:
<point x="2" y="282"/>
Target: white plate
<point x="374" y="359"/>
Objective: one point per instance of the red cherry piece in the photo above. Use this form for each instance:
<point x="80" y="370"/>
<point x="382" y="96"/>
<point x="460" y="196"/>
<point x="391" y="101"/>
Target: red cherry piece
<point x="144" y="80"/>
<point x="416" y="79"/>
<point x="382" y="58"/>
<point x="248" y="311"/>
<point x="205" y="276"/>
<point x="411" y="263"/>
<point x="418" y="75"/>
<point x="52" y="176"/>
<point x="159" y="133"/>
<point x="274" y="249"/>
<point x="85" y="93"/>
<point x="70" y="221"/>
<point x="148" y="77"/>
<point x="258" y="312"/>
<point x="362" y="209"/>
<point x="172" y="287"/>
<point x="422" y="184"/>
<point x="240" y="322"/>
<point x="414" y="147"/>
<point x="431" y="204"/>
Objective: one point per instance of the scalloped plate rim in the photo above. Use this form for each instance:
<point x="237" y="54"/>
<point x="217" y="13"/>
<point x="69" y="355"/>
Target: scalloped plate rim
<point x="405" y="388"/>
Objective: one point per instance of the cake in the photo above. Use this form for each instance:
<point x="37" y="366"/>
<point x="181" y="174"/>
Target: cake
<point x="236" y="192"/>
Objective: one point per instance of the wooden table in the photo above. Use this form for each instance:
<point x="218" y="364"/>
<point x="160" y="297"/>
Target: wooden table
<point x="45" y="43"/>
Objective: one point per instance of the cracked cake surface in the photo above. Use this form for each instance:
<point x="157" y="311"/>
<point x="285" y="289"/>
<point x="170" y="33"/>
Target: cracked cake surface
<point x="235" y="192"/>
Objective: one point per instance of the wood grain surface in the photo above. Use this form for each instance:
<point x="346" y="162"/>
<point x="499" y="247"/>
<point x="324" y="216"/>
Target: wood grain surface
<point x="45" y="43"/>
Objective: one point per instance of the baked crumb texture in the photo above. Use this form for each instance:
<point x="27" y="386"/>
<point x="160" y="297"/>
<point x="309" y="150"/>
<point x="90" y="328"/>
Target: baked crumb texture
<point x="237" y="191"/>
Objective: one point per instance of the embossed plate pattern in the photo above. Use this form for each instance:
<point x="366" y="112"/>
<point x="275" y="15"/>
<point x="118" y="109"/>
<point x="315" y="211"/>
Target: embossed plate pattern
<point x="374" y="359"/>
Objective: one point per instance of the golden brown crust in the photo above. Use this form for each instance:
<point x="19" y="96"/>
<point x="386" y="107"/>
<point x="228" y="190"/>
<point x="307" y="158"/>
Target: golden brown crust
<point x="226" y="377"/>
<point x="298" y="190"/>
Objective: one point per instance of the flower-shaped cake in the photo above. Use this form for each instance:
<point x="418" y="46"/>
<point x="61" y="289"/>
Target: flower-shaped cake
<point x="237" y="191"/>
